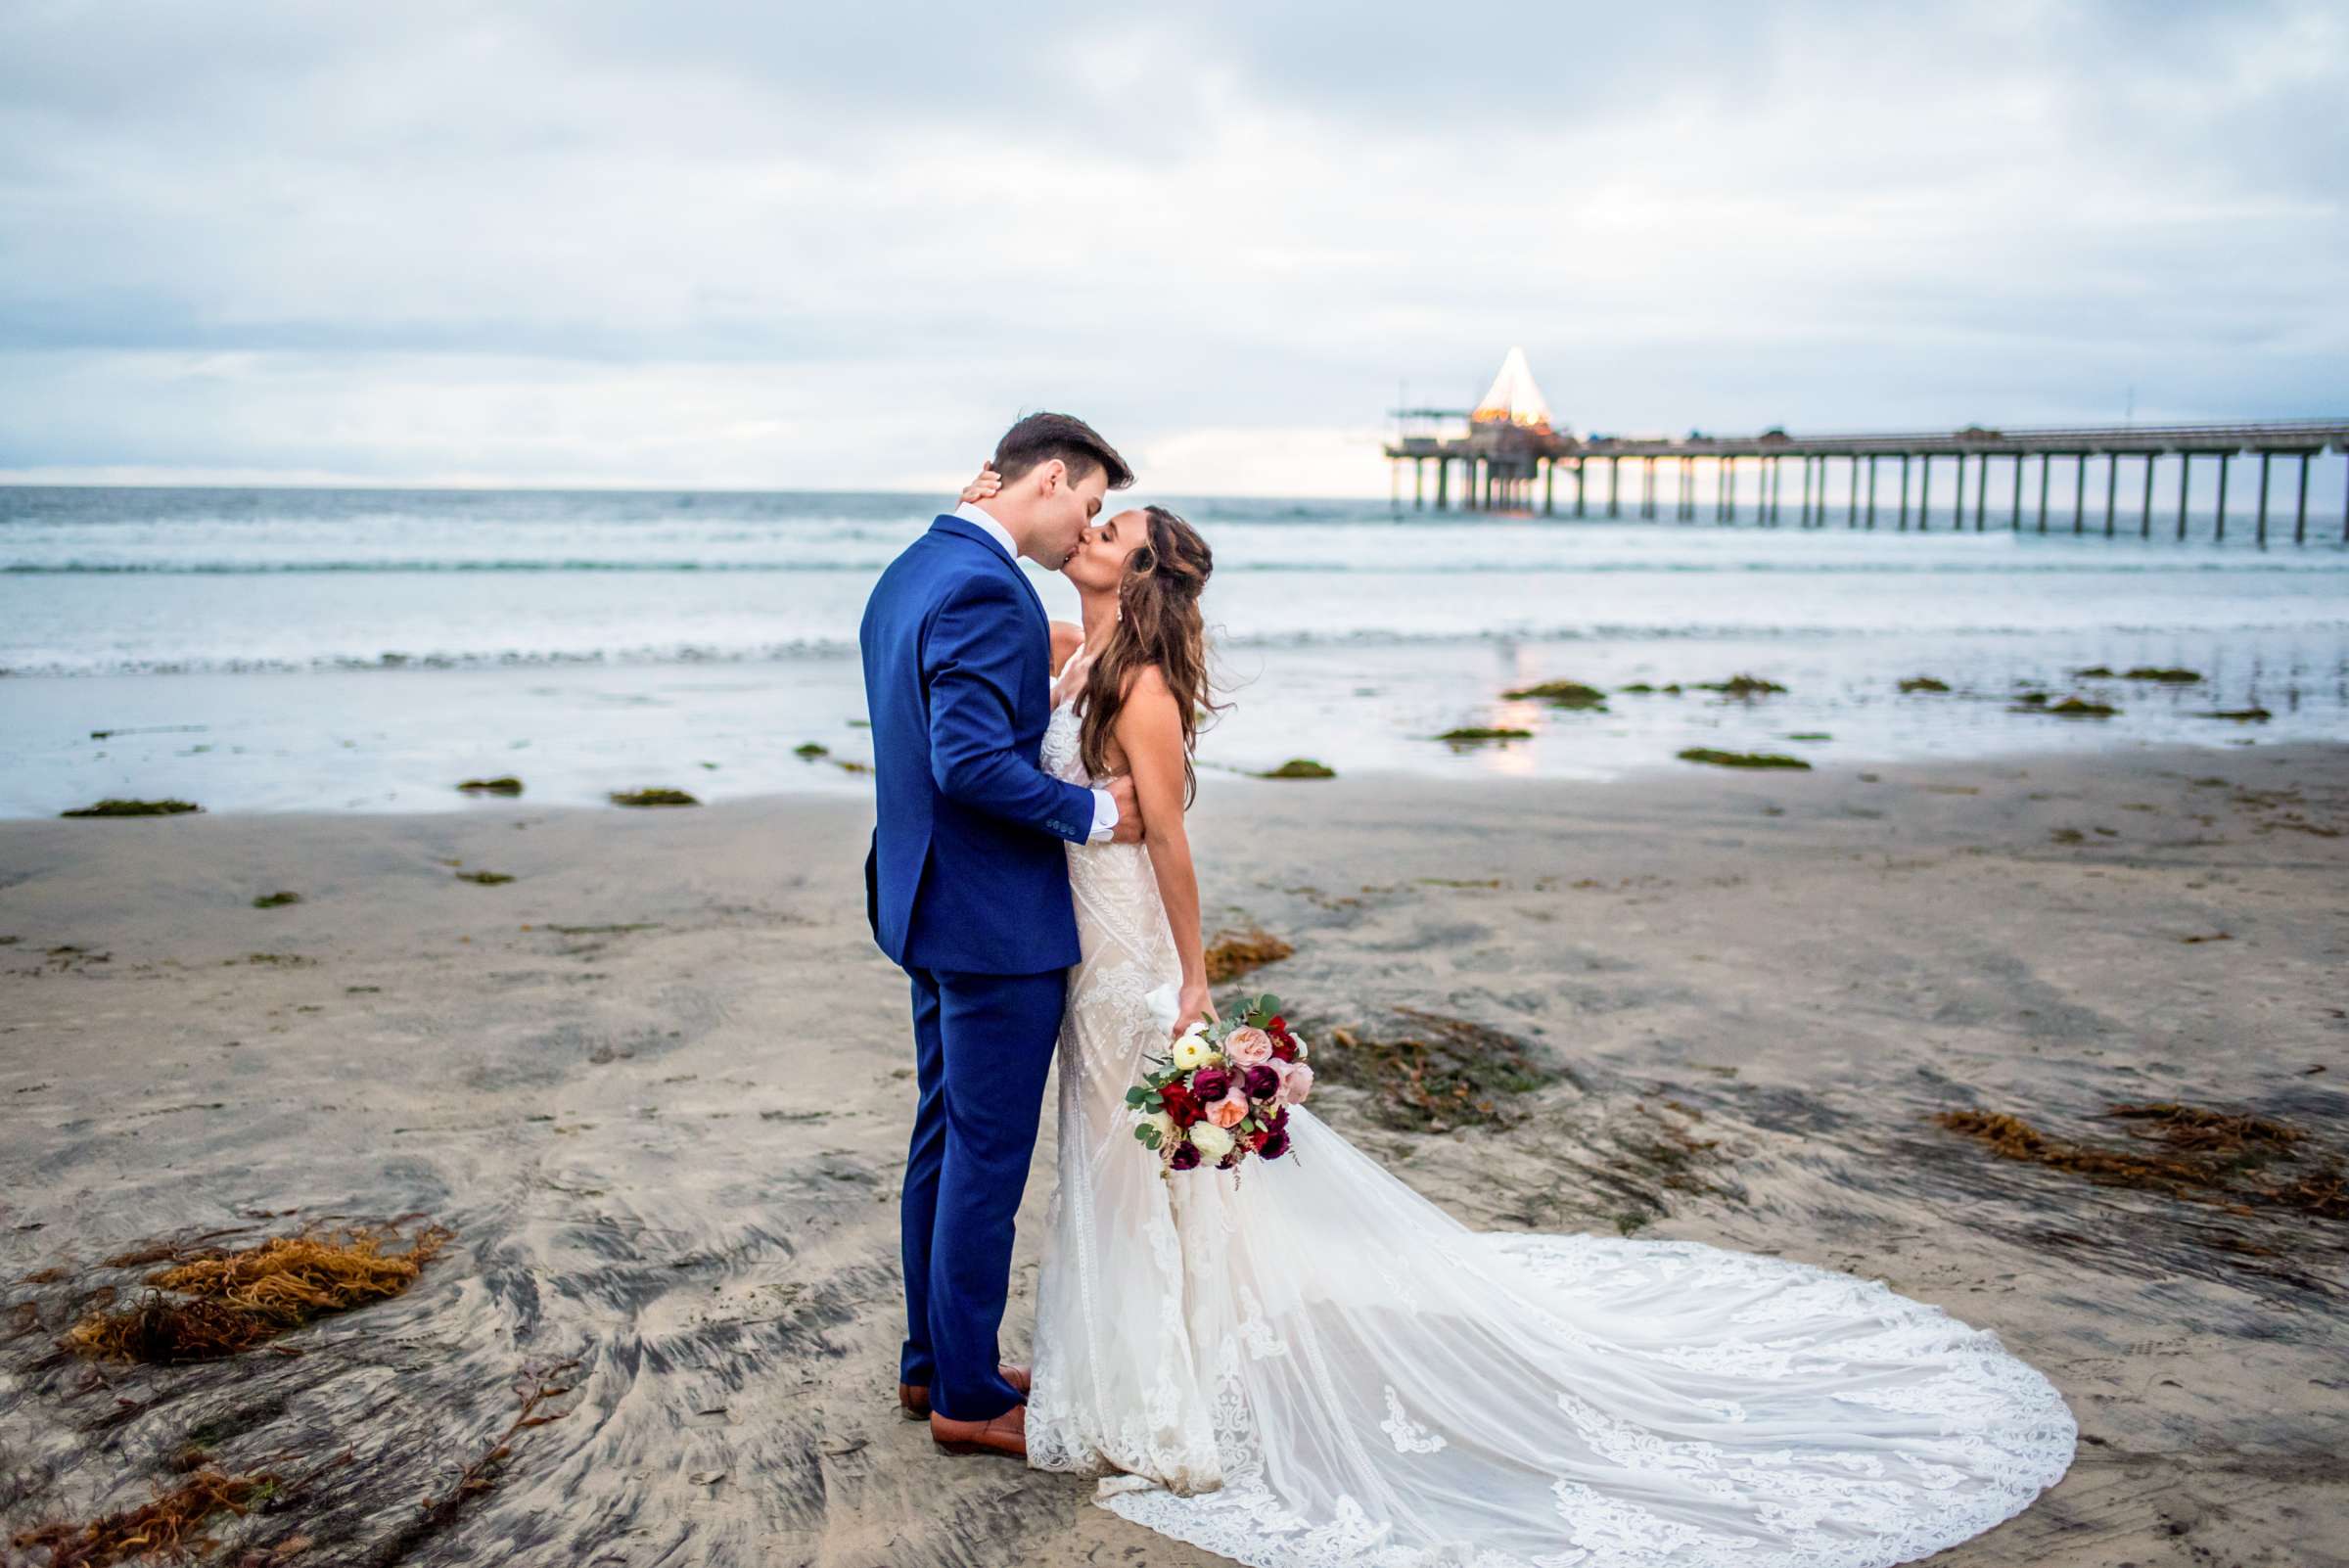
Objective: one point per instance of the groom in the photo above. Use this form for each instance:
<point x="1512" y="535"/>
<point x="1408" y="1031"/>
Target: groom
<point x="967" y="888"/>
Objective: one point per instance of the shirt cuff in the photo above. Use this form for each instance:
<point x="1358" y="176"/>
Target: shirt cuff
<point x="1105" y="818"/>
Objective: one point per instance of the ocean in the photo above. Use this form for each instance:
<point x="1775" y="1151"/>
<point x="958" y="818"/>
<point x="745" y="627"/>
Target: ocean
<point x="258" y="650"/>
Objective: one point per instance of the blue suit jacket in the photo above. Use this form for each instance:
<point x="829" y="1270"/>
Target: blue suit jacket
<point x="966" y="872"/>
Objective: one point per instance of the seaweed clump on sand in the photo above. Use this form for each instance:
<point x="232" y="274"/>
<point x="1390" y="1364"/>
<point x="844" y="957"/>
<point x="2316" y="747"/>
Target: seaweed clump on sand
<point x="1923" y="683"/>
<point x="110" y="807"/>
<point x="275" y="901"/>
<point x="1706" y="753"/>
<point x="170" y="1525"/>
<point x="505" y="784"/>
<point x="2036" y="702"/>
<point x="1571" y="694"/>
<point x="2207" y="1156"/>
<point x="487" y="879"/>
<point x="1233" y="953"/>
<point x="809" y="751"/>
<point x="1444" y="1073"/>
<point x="2168" y="677"/>
<point x="2241" y="716"/>
<point x="1301" y="767"/>
<point x="652" y="796"/>
<point x="1741" y="686"/>
<point x="226" y="1301"/>
<point x="1475" y="735"/>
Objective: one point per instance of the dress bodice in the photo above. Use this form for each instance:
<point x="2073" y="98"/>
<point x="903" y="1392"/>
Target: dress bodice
<point x="1062" y="754"/>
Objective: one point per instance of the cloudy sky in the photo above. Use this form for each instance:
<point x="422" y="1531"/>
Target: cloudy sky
<point x="757" y="245"/>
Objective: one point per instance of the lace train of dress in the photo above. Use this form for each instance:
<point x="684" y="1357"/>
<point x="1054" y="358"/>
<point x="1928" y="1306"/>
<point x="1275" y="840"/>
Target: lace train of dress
<point x="1314" y="1367"/>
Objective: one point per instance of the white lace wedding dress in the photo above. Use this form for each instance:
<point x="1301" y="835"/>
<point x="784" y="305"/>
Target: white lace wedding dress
<point x="1313" y="1366"/>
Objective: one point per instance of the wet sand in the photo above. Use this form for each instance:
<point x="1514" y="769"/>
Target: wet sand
<point x="659" y="1085"/>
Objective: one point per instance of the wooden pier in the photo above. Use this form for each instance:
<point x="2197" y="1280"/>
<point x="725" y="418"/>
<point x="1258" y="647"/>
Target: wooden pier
<point x="1510" y="454"/>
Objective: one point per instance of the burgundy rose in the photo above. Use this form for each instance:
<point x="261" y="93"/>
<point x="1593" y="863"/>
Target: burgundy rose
<point x="1278" y="1026"/>
<point x="1284" y="1050"/>
<point x="1211" y="1083"/>
<point x="1185" y="1157"/>
<point x="1181" y="1107"/>
<point x="1262" y="1083"/>
<point x="1273" y="1145"/>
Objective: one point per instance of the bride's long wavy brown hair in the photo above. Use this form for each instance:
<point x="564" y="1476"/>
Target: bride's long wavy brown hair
<point x="1158" y="624"/>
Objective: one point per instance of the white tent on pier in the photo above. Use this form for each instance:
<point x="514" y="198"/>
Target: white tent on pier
<point x="1514" y="399"/>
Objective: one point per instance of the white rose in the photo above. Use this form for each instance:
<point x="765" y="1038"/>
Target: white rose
<point x="1163" y="1125"/>
<point x="1193" y="1051"/>
<point x="1212" y="1141"/>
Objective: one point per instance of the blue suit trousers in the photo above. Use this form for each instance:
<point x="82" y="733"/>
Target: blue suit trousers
<point x="982" y="1044"/>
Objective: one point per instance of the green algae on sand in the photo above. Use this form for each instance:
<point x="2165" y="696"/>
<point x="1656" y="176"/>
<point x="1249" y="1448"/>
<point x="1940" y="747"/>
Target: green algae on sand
<point x="1718" y="759"/>
<point x="1559" y="693"/>
<point x="2069" y="707"/>
<point x="1300" y="768"/>
<point x="1923" y="683"/>
<point x="653" y="797"/>
<point x="1741" y="686"/>
<point x="276" y="901"/>
<point x="505" y="784"/>
<point x="1442" y="1073"/>
<point x="110" y="807"/>
<point x="1472" y="735"/>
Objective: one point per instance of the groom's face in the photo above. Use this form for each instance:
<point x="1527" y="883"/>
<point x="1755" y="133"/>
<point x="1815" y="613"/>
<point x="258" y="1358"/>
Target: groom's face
<point x="1065" y="509"/>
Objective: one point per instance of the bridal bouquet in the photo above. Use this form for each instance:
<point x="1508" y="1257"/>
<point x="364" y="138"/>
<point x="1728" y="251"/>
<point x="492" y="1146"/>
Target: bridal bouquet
<point x="1223" y="1091"/>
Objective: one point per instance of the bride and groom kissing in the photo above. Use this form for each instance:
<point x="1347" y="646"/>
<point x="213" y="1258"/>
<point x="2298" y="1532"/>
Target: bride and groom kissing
<point x="1318" y="1367"/>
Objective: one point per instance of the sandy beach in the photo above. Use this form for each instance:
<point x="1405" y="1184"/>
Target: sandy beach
<point x="658" y="1087"/>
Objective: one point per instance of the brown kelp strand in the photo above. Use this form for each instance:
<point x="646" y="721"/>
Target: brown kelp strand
<point x="170" y="1526"/>
<point x="1235" y="952"/>
<point x="2239" y="1161"/>
<point x="229" y="1301"/>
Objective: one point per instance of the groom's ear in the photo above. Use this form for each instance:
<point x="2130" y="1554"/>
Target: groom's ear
<point x="1050" y="475"/>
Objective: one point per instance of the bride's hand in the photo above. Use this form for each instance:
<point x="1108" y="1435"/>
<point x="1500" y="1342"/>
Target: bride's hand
<point x="1191" y="1007"/>
<point x="987" y="483"/>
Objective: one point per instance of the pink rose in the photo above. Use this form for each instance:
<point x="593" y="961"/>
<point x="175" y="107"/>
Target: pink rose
<point x="1297" y="1083"/>
<point x="1249" y="1046"/>
<point x="1229" y="1111"/>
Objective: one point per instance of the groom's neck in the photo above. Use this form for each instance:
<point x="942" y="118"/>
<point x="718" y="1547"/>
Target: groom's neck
<point x="1015" y="519"/>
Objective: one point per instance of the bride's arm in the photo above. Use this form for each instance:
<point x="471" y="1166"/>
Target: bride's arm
<point x="1149" y="731"/>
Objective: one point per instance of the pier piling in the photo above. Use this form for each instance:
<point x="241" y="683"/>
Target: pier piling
<point x="1503" y="455"/>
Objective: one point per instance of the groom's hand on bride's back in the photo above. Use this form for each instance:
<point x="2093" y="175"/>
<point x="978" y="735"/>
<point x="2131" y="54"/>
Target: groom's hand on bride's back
<point x="1129" y="811"/>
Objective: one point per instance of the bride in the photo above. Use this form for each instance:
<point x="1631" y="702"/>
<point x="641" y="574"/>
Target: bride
<point x="1317" y="1367"/>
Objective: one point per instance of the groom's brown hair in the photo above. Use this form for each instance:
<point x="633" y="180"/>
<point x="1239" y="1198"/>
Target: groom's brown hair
<point x="1042" y="437"/>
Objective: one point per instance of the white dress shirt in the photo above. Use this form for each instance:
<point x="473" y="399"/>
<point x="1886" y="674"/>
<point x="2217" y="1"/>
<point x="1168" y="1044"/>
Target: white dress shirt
<point x="1105" y="810"/>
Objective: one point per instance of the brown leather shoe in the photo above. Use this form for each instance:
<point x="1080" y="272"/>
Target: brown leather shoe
<point x="913" y="1399"/>
<point x="1006" y="1435"/>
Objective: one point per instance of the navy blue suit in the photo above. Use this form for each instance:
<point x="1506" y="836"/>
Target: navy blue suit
<point x="967" y="889"/>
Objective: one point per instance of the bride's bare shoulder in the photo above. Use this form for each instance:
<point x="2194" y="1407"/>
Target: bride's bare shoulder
<point x="1066" y="637"/>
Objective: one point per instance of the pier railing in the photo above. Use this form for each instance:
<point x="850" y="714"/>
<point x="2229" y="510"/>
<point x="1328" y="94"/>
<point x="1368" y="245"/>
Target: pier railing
<point x="1502" y="464"/>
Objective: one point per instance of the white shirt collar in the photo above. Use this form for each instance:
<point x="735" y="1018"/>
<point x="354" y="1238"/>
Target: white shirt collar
<point x="971" y="513"/>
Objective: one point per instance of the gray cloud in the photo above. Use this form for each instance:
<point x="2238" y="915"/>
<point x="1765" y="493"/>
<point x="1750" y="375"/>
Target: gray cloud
<point x="746" y="244"/>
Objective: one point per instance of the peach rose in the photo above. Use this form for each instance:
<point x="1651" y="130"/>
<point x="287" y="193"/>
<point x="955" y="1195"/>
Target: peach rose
<point x="1230" y="1110"/>
<point x="1248" y="1046"/>
<point x="1296" y="1083"/>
